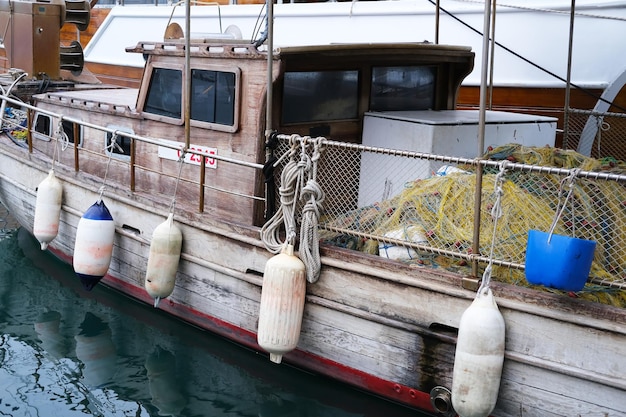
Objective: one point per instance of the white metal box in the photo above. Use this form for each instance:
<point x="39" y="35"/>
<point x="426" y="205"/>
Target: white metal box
<point x="444" y="132"/>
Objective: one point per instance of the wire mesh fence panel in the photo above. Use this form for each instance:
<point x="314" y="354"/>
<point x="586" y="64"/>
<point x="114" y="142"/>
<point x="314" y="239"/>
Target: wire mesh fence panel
<point x="420" y="209"/>
<point x="599" y="135"/>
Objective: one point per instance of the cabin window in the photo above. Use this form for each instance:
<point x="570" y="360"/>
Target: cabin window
<point x="73" y="131"/>
<point x="403" y="88"/>
<point x="122" y="151"/>
<point x="213" y="96"/>
<point x="43" y="127"/>
<point x="320" y="96"/>
<point x="164" y="97"/>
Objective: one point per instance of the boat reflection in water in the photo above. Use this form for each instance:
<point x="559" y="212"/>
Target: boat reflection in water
<point x="65" y="352"/>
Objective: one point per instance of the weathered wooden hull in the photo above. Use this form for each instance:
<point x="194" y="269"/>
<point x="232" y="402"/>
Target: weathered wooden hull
<point x="372" y="323"/>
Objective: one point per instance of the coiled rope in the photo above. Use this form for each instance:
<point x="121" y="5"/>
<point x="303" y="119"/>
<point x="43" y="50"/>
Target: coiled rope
<point x="309" y="235"/>
<point x="298" y="182"/>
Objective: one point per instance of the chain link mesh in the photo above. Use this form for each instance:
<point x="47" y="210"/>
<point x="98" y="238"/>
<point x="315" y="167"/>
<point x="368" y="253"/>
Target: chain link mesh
<point x="602" y="134"/>
<point x="419" y="209"/>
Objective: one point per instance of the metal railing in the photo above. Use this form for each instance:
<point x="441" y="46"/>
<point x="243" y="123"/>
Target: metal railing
<point x="130" y="165"/>
<point x="418" y="208"/>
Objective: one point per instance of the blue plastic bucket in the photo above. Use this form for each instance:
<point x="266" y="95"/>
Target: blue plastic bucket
<point x="563" y="263"/>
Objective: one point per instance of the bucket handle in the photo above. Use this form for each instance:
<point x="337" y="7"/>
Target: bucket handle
<point x="569" y="183"/>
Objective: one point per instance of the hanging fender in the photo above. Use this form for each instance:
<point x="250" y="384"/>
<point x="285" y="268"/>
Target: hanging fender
<point x="94" y="244"/>
<point x="479" y="357"/>
<point x="48" y="209"/>
<point x="282" y="304"/>
<point x="163" y="260"/>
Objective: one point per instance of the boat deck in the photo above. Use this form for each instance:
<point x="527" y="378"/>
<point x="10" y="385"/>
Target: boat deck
<point x="116" y="100"/>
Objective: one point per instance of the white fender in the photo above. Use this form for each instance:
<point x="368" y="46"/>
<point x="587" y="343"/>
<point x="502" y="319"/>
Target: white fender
<point x="282" y="304"/>
<point x="48" y="209"/>
<point x="163" y="259"/>
<point x="479" y="357"/>
<point x="94" y="244"/>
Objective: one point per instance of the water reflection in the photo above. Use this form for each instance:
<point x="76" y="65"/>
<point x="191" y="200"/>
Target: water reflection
<point x="95" y="349"/>
<point x="163" y="382"/>
<point x="66" y="352"/>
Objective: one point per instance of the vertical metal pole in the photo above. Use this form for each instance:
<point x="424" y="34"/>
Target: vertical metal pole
<point x="437" y="10"/>
<point x="481" y="133"/>
<point x="569" y="75"/>
<point x="270" y="67"/>
<point x="492" y="56"/>
<point x="187" y="98"/>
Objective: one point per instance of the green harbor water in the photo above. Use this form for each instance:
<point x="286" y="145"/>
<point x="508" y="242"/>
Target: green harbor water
<point x="65" y="352"/>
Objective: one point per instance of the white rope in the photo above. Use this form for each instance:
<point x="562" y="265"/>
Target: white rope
<point x="298" y="182"/>
<point x="108" y="148"/>
<point x="309" y="236"/>
<point x="61" y="137"/>
<point x="496" y="213"/>
<point x="290" y="180"/>
<point x="568" y="182"/>
<point x="181" y="162"/>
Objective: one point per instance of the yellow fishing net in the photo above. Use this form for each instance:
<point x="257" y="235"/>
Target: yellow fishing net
<point x="438" y="212"/>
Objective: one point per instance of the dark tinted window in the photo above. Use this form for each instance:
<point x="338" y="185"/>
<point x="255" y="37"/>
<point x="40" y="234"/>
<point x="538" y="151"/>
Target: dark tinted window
<point x="43" y="125"/>
<point x="213" y="96"/>
<point x="402" y="88"/>
<point x="165" y="93"/>
<point x="319" y="96"/>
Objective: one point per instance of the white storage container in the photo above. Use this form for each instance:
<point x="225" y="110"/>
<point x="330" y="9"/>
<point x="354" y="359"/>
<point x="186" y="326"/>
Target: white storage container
<point x="445" y="132"/>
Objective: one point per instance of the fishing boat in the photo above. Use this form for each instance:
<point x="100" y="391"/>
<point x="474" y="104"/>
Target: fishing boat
<point x="530" y="52"/>
<point x="330" y="207"/>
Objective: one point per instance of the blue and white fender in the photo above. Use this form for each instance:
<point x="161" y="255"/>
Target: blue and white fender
<point x="94" y="245"/>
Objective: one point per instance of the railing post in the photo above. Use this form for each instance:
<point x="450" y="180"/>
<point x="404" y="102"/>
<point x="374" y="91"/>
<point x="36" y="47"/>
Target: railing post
<point x="202" y="180"/>
<point x="132" y="165"/>
<point x="76" y="130"/>
<point x="29" y="135"/>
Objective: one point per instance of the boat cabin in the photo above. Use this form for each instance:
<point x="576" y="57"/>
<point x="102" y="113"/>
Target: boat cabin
<point x="317" y="91"/>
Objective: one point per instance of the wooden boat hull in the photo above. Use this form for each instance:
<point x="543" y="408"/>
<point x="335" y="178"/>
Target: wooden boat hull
<point x="372" y="323"/>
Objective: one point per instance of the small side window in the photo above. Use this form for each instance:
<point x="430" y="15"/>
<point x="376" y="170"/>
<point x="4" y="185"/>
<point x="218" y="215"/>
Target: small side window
<point x="124" y="143"/>
<point x="74" y="132"/>
<point x="43" y="127"/>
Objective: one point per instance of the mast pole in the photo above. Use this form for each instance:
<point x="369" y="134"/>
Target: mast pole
<point x="569" y="74"/>
<point x="270" y="67"/>
<point x="481" y="131"/>
<point x="187" y="99"/>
